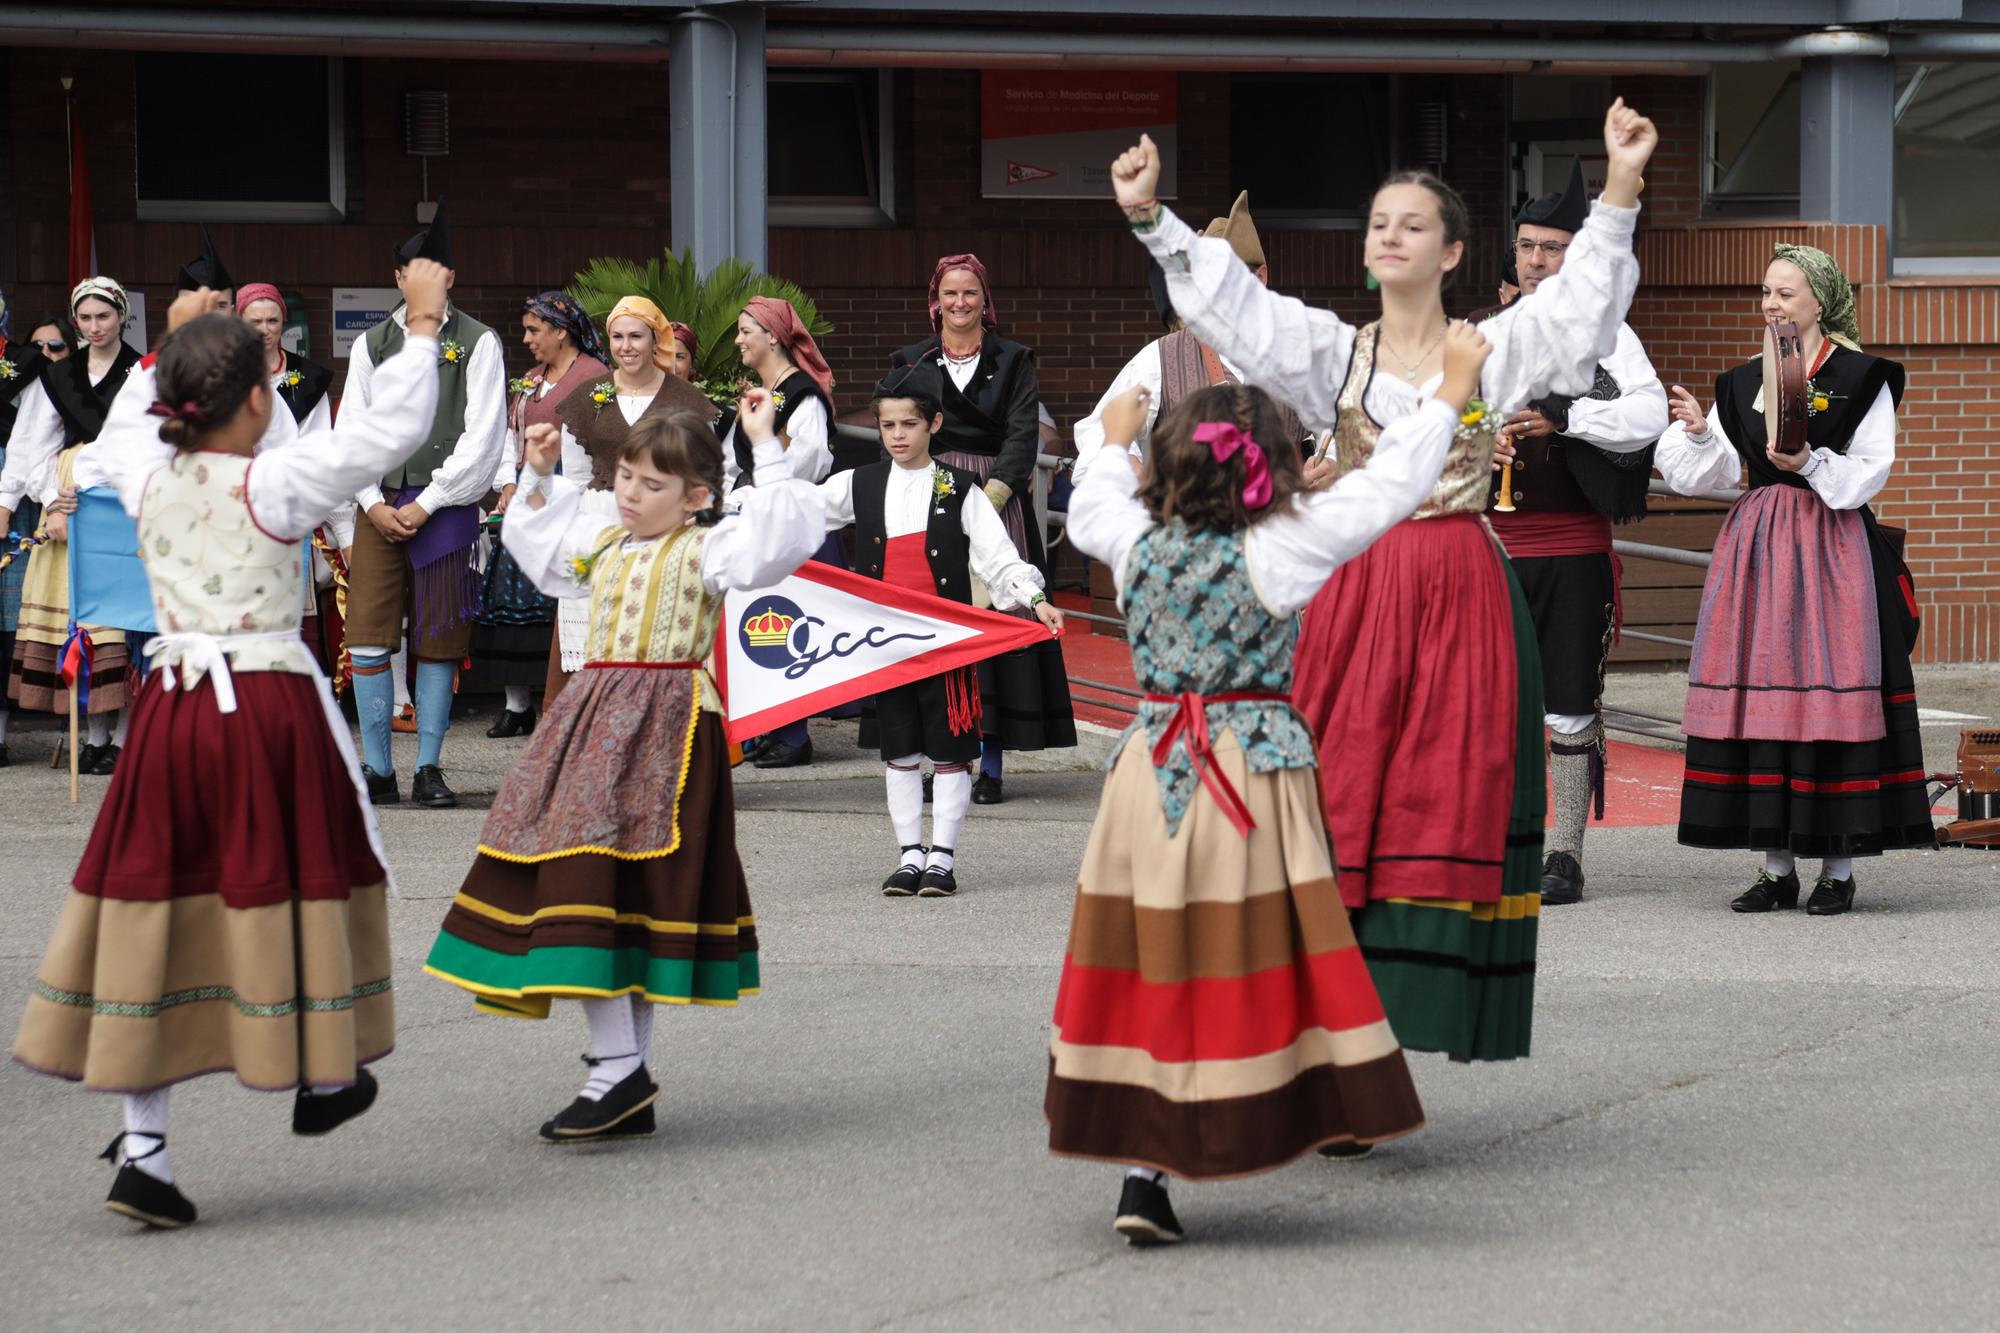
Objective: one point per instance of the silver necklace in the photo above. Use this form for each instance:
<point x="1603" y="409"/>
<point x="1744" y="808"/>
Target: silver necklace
<point x="1410" y="368"/>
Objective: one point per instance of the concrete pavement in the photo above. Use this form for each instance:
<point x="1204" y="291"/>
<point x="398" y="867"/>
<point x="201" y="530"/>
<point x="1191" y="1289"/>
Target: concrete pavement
<point x="1750" y="1122"/>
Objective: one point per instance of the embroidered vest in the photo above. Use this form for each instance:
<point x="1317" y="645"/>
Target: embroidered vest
<point x="1467" y="478"/>
<point x="601" y="428"/>
<point x="793" y="392"/>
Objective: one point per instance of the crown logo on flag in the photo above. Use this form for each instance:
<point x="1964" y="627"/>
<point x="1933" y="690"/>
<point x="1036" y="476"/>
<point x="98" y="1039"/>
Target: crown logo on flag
<point x="768" y="630"/>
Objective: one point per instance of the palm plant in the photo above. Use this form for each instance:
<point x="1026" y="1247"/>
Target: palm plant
<point x="708" y="304"/>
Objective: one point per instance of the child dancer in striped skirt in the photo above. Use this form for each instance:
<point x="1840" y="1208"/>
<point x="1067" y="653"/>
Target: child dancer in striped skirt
<point x="1215" y="1017"/>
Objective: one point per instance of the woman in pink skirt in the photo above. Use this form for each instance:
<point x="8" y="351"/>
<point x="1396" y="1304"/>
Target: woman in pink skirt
<point x="1802" y="711"/>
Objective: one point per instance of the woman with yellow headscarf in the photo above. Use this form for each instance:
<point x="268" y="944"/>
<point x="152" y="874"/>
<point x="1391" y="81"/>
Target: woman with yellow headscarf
<point x="595" y="420"/>
<point x="1801" y="715"/>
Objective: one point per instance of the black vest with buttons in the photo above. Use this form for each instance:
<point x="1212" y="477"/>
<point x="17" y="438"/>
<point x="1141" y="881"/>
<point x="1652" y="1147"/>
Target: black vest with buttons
<point x="945" y="545"/>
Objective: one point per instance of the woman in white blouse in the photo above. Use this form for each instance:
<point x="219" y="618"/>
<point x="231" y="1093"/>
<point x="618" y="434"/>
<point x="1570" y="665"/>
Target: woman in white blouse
<point x="1801" y="715"/>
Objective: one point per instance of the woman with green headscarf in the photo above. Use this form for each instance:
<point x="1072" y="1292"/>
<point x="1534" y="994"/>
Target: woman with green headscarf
<point x="1801" y="716"/>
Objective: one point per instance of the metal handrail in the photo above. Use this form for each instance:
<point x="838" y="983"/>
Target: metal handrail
<point x="1672" y="555"/>
<point x="1658" y="487"/>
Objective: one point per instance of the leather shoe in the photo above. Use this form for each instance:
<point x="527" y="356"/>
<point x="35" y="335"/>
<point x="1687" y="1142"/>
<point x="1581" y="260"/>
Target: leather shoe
<point x="778" y="754"/>
<point x="86" y="757"/>
<point x="1562" y="880"/>
<point x="1831" y="897"/>
<point x="755" y="745"/>
<point x="511" y="723"/>
<point x="404" y="720"/>
<point x="107" y="761"/>
<point x="986" y="791"/>
<point x="381" y="787"/>
<point x="324" y="1113"/>
<point x="1769" y="893"/>
<point x="427" y="788"/>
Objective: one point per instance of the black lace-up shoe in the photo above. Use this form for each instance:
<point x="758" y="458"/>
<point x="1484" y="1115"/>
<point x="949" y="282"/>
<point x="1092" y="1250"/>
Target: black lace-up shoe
<point x="1831" y="897"/>
<point x="1769" y="893"/>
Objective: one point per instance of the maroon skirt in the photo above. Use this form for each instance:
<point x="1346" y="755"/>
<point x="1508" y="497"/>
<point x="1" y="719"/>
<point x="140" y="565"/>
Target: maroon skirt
<point x="1406" y="673"/>
<point x="254" y="805"/>
<point x="1787" y="647"/>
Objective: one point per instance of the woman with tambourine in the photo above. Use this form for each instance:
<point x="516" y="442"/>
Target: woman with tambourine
<point x="1801" y="715"/>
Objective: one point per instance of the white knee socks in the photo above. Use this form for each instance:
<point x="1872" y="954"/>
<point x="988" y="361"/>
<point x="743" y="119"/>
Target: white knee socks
<point x="124" y="723"/>
<point x="145" y="1130"/>
<point x="951" y="797"/>
<point x="98" y="730"/>
<point x="518" y="698"/>
<point x="905" y="784"/>
<point x="614" y="1043"/>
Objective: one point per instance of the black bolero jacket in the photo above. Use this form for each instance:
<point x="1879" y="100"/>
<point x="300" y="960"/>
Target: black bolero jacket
<point x="996" y="413"/>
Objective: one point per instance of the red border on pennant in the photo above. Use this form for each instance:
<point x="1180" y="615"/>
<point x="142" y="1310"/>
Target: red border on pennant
<point x="997" y="634"/>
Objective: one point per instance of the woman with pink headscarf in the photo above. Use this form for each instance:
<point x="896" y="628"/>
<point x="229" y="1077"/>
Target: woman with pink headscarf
<point x="992" y="430"/>
<point x="300" y="384"/>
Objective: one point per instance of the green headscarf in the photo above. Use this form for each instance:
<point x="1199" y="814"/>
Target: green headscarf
<point x="1830" y="286"/>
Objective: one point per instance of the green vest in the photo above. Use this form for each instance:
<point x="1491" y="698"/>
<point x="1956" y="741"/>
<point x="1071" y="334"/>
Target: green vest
<point x="384" y="341"/>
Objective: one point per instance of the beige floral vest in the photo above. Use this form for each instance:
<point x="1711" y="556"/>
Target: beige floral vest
<point x="1468" y="467"/>
<point x="212" y="569"/>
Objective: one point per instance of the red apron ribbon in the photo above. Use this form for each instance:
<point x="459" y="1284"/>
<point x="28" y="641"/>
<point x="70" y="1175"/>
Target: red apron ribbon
<point x="1190" y="723"/>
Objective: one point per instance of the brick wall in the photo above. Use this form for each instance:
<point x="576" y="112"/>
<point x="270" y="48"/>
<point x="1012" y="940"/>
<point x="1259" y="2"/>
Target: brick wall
<point x="552" y="165"/>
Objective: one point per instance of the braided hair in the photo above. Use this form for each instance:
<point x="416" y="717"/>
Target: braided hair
<point x="207" y="369"/>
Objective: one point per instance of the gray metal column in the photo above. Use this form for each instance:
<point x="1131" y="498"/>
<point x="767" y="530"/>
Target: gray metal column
<point x="1847" y="139"/>
<point x="715" y="77"/>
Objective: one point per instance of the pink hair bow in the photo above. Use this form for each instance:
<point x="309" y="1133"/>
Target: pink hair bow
<point x="1224" y="440"/>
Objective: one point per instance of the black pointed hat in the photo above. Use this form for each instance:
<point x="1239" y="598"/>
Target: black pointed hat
<point x="1565" y="211"/>
<point x="1156" y="287"/>
<point x="919" y="379"/>
<point x="207" y="271"/>
<point x="432" y="244"/>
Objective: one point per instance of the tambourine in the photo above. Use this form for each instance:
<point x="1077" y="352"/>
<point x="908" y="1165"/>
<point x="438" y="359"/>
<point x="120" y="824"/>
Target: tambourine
<point x="1784" y="388"/>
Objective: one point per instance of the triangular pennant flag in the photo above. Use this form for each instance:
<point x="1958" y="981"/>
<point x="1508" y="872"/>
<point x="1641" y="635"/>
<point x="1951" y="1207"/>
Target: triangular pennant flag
<point x="823" y="637"/>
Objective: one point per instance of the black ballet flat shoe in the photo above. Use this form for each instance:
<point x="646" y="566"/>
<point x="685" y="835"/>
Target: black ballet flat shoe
<point x="937" y="882"/>
<point x="585" y="1119"/>
<point x="1145" y="1215"/>
<point x="986" y="791"/>
<point x="778" y="754"/>
<point x="381" y="787"/>
<point x="145" y="1198"/>
<point x="635" y="1126"/>
<point x="1562" y="880"/>
<point x="1347" y="1152"/>
<point x="1831" y="897"/>
<point x="106" y="763"/>
<point x="324" y="1114"/>
<point x="511" y="723"/>
<point x="1769" y="893"/>
<point x="427" y="788"/>
<point x="903" y="883"/>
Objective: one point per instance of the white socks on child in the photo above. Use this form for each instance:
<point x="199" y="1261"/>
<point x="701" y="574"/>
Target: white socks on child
<point x="518" y="698"/>
<point x="1145" y="1173"/>
<point x="951" y="797"/>
<point x="124" y="723"/>
<point x="145" y="1130"/>
<point x="98" y="732"/>
<point x="621" y="1035"/>
<point x="905" y="784"/>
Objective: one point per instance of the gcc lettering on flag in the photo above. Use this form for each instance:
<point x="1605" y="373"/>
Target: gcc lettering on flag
<point x="824" y="636"/>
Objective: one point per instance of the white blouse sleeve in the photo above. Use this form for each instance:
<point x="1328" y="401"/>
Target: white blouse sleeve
<point x="1089" y="433"/>
<point x="1637" y="416"/>
<point x="1281" y="344"/>
<point x="780" y="523"/>
<point x="508" y="471"/>
<point x="837" y="493"/>
<point x="1553" y="340"/>
<point x="467" y="471"/>
<point x="128" y="450"/>
<point x="1292" y="554"/>
<point x="32" y="449"/>
<point x="283" y="429"/>
<point x="1692" y="464"/>
<point x="320" y="418"/>
<point x="808" y="457"/>
<point x="1012" y="580"/>
<point x="292" y="490"/>
<point x="1852" y="479"/>
<point x="544" y="541"/>
<point x="1106" y="517"/>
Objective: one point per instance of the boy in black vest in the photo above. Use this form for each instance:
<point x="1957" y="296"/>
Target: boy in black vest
<point x="913" y="529"/>
<point x="415" y="532"/>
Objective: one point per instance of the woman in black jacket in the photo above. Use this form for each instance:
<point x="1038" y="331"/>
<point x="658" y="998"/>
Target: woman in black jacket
<point x="991" y="430"/>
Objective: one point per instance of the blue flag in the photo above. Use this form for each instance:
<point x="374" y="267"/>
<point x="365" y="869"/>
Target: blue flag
<point x="107" y="579"/>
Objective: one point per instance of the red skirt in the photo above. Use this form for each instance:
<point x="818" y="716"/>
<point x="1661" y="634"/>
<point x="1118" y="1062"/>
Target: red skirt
<point x="254" y="805"/>
<point x="1406" y="673"/>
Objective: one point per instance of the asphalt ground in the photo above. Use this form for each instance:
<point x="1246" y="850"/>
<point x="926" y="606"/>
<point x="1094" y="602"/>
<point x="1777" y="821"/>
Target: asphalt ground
<point x="1755" y="1122"/>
